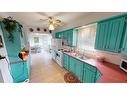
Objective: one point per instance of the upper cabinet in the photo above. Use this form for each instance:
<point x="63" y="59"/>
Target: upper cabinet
<point x="109" y="34"/>
<point x="71" y="37"/>
<point x="59" y="35"/>
<point x="124" y="40"/>
<point x="69" y="34"/>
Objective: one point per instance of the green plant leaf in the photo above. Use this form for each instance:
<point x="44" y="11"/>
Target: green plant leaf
<point x="11" y="26"/>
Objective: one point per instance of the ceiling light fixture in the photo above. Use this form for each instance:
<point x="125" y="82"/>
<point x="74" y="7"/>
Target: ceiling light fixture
<point x="51" y="27"/>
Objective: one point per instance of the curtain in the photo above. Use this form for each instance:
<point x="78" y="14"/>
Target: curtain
<point x="86" y="37"/>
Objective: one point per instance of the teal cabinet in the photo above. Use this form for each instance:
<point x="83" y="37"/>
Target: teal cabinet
<point x="98" y="75"/>
<point x="66" y="62"/>
<point x="56" y="35"/>
<point x="70" y="35"/>
<point x="20" y="70"/>
<point x="76" y="67"/>
<point x="72" y="65"/>
<point x="89" y="76"/>
<point x="84" y="72"/>
<point x="79" y="69"/>
<point x="101" y="34"/>
<point x="59" y="35"/>
<point x="116" y="27"/>
<point x="124" y="45"/>
<point x="64" y="34"/>
<point x="109" y="34"/>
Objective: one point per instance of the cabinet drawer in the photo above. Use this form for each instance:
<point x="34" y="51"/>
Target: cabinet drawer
<point x="91" y="68"/>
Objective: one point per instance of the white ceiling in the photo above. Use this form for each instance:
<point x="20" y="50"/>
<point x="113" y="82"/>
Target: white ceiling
<point x="32" y="19"/>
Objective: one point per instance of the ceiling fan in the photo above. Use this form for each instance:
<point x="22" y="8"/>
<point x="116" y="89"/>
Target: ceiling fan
<point x="52" y="22"/>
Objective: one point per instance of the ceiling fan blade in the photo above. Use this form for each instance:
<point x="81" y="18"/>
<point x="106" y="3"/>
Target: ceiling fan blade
<point x="58" y="21"/>
<point x="43" y="19"/>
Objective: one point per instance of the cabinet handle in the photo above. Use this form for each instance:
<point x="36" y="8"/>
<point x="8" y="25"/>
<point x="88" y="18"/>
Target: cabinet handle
<point x="119" y="50"/>
<point x="107" y="46"/>
<point x="122" y="49"/>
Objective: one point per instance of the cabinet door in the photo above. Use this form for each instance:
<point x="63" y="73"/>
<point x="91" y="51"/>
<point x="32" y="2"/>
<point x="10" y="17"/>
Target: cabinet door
<point x="89" y="76"/>
<point x="65" y="34"/>
<point x="109" y="34"/>
<point x="115" y="32"/>
<point x="19" y="72"/>
<point x="98" y="75"/>
<point x="70" y="37"/>
<point x="79" y="69"/>
<point x="101" y="35"/>
<point x="74" y="37"/>
<point x="66" y="61"/>
<point x="72" y="65"/>
<point x="28" y="66"/>
<point x="124" y="45"/>
<point x="60" y="35"/>
<point x="56" y="35"/>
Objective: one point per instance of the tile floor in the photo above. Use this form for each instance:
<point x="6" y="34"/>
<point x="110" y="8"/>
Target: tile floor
<point x="45" y="70"/>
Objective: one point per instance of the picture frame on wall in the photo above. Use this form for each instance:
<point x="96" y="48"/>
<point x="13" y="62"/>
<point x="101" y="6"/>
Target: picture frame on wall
<point x="36" y="39"/>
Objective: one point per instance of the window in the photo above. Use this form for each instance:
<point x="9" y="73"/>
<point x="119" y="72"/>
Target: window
<point x="86" y="37"/>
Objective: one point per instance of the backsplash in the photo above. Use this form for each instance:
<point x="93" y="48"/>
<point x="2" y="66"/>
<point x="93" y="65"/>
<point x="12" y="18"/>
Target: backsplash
<point x="111" y="57"/>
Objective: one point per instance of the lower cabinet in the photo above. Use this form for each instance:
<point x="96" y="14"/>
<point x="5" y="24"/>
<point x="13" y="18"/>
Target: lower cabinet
<point x="72" y="65"/>
<point x="89" y="76"/>
<point x="90" y="73"/>
<point x="84" y="72"/>
<point x="19" y="71"/>
<point x="79" y="70"/>
<point x="66" y="62"/>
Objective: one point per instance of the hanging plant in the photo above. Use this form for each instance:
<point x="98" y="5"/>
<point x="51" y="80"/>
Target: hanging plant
<point x="11" y="26"/>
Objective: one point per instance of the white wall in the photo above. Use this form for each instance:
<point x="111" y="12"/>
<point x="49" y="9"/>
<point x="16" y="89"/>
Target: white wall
<point x="32" y="35"/>
<point x="44" y="40"/>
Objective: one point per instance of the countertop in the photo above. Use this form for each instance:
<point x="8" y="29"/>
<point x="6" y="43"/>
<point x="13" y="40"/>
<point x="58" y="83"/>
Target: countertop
<point x="111" y="73"/>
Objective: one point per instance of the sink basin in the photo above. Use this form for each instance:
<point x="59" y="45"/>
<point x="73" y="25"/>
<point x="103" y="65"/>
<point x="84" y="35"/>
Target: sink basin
<point x="79" y="56"/>
<point x="82" y="57"/>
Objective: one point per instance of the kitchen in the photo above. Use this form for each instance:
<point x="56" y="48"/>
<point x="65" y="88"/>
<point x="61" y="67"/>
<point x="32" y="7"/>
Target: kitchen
<point x="88" y="47"/>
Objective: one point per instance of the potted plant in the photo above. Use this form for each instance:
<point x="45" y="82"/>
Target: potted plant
<point x="11" y="26"/>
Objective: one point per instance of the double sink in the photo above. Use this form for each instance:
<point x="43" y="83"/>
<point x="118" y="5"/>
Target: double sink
<point x="80" y="56"/>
